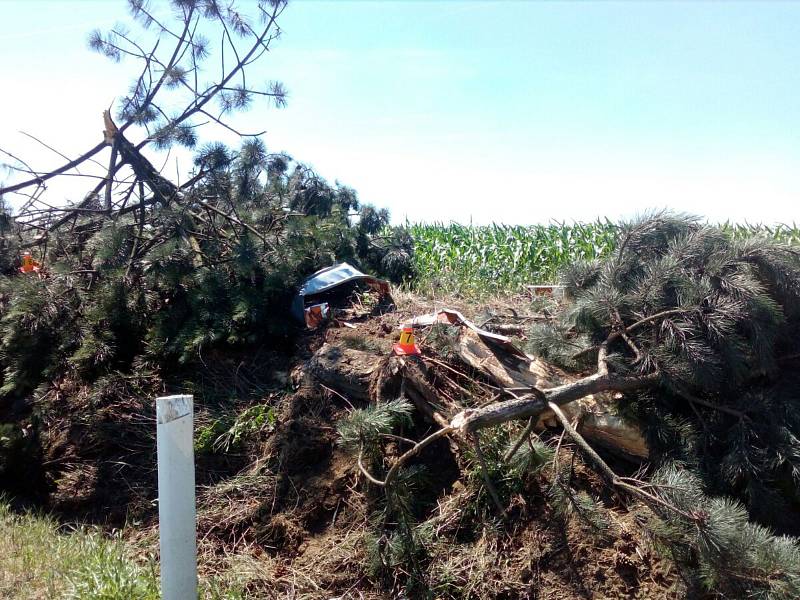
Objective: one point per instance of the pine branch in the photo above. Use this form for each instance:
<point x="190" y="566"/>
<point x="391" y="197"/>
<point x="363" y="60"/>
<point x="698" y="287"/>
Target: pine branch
<point x="50" y="174"/>
<point x="609" y="473"/>
<point x="614" y="335"/>
<point x="476" y="446"/>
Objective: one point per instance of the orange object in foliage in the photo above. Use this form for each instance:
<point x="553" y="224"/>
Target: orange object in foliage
<point x="29" y="265"/>
<point x="407" y="346"/>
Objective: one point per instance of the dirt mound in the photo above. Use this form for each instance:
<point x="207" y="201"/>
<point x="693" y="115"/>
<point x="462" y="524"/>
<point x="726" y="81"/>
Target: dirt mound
<point x="311" y="517"/>
<point x="287" y="509"/>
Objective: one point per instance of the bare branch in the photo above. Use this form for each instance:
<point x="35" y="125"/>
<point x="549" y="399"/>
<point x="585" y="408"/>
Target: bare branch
<point x="533" y="405"/>
<point x="609" y="473"/>
<point x="62" y="169"/>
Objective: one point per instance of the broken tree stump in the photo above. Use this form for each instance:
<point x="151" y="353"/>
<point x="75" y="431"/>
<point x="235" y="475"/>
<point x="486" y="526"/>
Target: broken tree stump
<point x="355" y="374"/>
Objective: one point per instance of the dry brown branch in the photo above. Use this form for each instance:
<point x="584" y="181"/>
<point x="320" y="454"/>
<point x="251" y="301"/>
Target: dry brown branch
<point x="609" y="473"/>
<point x="49" y="175"/>
<point x="532" y="406"/>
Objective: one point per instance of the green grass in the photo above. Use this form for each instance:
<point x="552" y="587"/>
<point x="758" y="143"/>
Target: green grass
<point x="38" y="560"/>
<point x="480" y="260"/>
<point x="42" y="559"/>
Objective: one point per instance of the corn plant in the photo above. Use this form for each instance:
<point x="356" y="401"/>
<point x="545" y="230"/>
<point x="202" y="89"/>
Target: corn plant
<point x="476" y="260"/>
<point x="494" y="258"/>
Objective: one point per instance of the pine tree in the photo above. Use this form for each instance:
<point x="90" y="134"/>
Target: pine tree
<point x="216" y="271"/>
<point x="714" y="319"/>
<point x="154" y="269"/>
<point x="703" y="328"/>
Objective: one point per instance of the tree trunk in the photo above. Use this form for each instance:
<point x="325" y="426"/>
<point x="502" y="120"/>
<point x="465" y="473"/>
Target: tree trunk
<point x="353" y="373"/>
<point x="592" y="411"/>
<point x="346" y="370"/>
<point x="531" y="405"/>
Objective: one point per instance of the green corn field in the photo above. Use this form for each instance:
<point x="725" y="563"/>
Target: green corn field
<point x="468" y="260"/>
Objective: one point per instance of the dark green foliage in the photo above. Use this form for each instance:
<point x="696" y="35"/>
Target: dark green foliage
<point x="529" y="458"/>
<point x="229" y="433"/>
<point x="111" y="322"/>
<point x="37" y="329"/>
<point x="578" y="506"/>
<point x="12" y="447"/>
<point x="9" y="250"/>
<point x="398" y="558"/>
<point x="715" y="318"/>
<point x="361" y="431"/>
<point x="554" y="343"/>
<point x="396" y="550"/>
<point x="735" y="557"/>
<point x="386" y="250"/>
<point x="215" y="271"/>
<point x="509" y="477"/>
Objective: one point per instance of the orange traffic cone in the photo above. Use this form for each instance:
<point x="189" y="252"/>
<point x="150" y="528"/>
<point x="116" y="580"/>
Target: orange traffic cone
<point x="406" y="346"/>
<point x="29" y="265"/>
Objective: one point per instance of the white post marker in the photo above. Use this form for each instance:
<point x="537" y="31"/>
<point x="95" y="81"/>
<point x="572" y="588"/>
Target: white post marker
<point x="176" y="501"/>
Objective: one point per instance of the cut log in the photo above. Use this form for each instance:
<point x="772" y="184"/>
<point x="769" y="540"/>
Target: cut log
<point x="611" y="431"/>
<point x="504" y="368"/>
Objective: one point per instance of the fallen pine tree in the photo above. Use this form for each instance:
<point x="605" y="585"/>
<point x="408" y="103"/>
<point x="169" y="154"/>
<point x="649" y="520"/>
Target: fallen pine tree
<point x="288" y="489"/>
<point x="149" y="283"/>
<point x="693" y="336"/>
<point x="148" y="270"/>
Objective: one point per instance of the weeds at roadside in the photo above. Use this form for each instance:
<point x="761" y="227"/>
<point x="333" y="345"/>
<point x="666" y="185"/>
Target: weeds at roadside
<point x="40" y="558"/>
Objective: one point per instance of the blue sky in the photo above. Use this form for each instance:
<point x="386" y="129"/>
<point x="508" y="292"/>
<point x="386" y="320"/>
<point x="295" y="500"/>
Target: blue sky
<point x="486" y="111"/>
